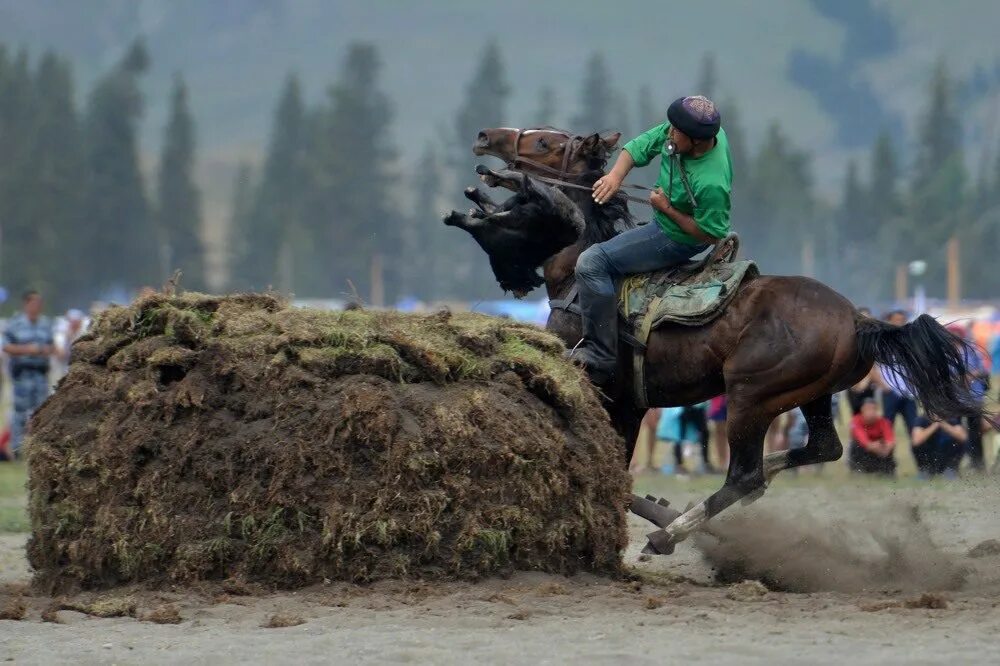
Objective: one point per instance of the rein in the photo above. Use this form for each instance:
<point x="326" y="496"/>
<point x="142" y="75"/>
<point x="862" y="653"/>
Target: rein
<point x="576" y="186"/>
<point x="562" y="173"/>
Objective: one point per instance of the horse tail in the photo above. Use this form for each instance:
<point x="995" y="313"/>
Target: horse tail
<point x="932" y="361"/>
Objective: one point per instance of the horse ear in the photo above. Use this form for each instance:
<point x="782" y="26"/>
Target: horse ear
<point x="611" y="140"/>
<point x="591" y="143"/>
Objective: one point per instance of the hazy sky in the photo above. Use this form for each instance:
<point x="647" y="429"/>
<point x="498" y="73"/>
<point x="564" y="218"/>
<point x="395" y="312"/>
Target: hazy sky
<point x="802" y="62"/>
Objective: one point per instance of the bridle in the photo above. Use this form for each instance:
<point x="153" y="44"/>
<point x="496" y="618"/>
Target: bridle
<point x="562" y="174"/>
<point x="570" y="149"/>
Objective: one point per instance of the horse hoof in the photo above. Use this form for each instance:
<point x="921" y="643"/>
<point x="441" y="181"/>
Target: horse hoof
<point x="656" y="511"/>
<point x="660" y="543"/>
<point x="454" y="219"/>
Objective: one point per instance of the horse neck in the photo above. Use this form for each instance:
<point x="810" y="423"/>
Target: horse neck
<point x="559" y="270"/>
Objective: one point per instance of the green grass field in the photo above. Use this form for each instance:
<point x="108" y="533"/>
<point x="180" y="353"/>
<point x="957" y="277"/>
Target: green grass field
<point x="13" y="507"/>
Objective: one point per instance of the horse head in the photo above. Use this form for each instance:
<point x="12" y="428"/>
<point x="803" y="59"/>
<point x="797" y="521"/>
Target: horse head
<point x="546" y="150"/>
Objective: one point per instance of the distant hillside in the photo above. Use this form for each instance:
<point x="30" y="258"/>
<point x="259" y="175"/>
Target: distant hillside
<point x="831" y="72"/>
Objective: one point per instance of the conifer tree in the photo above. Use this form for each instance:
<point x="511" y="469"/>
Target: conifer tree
<point x="425" y="241"/>
<point x="778" y="204"/>
<point x="352" y="154"/>
<point x="240" y="210"/>
<point x="938" y="201"/>
<point x="121" y="247"/>
<point x="648" y="112"/>
<point x="20" y="237"/>
<point x="484" y="105"/>
<point x="179" y="200"/>
<point x="597" y="98"/>
<point x="278" y="198"/>
<point x="708" y="79"/>
<point x="545" y="115"/>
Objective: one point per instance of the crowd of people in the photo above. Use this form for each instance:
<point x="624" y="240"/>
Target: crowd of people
<point x="876" y="404"/>
<point x="36" y="353"/>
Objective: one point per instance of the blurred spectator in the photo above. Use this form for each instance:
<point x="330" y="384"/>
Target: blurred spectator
<point x="863" y="390"/>
<point x="29" y="344"/>
<point x="668" y="431"/>
<point x="717" y="415"/>
<point x="677" y="434"/>
<point x="938" y="446"/>
<point x="980" y="385"/>
<point x="794" y="430"/>
<point x="646" y="444"/>
<point x="872" y="442"/>
<point x="695" y="417"/>
<point x="72" y="328"/>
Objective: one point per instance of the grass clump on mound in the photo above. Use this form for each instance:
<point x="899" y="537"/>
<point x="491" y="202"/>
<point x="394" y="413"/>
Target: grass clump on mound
<point x="200" y="437"/>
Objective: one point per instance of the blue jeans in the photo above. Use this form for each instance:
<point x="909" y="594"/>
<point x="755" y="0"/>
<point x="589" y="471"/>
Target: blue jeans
<point x="894" y="404"/>
<point x="30" y="391"/>
<point x="640" y="250"/>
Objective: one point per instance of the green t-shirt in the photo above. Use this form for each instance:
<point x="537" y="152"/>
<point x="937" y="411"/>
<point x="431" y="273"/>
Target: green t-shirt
<point x="710" y="176"/>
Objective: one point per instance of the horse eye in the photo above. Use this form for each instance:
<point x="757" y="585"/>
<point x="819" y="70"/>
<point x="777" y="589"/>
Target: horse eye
<point x="542" y="145"/>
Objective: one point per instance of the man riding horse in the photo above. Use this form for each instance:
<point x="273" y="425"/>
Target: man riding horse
<point x="691" y="204"/>
<point x="780" y="342"/>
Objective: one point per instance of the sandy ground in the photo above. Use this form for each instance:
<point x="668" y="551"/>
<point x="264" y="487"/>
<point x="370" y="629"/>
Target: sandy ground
<point x="674" y="608"/>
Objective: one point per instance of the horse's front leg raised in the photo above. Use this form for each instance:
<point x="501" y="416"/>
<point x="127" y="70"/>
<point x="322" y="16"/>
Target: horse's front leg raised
<point x="744" y="480"/>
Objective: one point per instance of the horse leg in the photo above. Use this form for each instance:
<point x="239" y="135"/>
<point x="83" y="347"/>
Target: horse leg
<point x="467" y="222"/>
<point x="482" y="200"/>
<point x="511" y="180"/>
<point x="627" y="421"/>
<point x="823" y="445"/>
<point x="745" y="478"/>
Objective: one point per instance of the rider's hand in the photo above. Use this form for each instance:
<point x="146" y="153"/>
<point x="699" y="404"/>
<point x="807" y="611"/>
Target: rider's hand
<point x="658" y="200"/>
<point x="605" y="188"/>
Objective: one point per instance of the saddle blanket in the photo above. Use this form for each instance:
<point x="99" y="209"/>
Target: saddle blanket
<point x="648" y="301"/>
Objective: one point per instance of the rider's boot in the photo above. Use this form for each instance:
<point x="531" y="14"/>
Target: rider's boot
<point x="597" y="352"/>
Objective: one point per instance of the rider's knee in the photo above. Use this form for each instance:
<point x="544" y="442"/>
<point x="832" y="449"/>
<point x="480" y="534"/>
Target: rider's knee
<point x="591" y="262"/>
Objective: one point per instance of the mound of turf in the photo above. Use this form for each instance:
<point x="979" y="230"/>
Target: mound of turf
<point x="200" y="437"/>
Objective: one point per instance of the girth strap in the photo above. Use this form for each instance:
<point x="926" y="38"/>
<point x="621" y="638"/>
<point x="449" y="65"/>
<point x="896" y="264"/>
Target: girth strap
<point x="569" y="303"/>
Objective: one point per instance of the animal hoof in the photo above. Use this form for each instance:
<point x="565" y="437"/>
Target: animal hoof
<point x="453" y="219"/>
<point x="660" y="543"/>
<point x="656" y="511"/>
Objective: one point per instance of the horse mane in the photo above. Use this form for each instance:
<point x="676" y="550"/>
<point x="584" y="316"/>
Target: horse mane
<point x="603" y="221"/>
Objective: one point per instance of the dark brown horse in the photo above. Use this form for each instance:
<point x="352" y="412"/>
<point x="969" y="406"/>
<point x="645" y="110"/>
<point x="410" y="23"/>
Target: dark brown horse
<point x="783" y="342"/>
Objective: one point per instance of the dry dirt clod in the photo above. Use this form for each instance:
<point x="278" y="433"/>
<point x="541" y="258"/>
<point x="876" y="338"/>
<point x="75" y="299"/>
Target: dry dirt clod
<point x="236" y="587"/>
<point x="280" y="620"/>
<point x="552" y="589"/>
<point x="652" y="603"/>
<point x="165" y="614"/>
<point x="927" y="600"/>
<point x="109" y="606"/>
<point x="14" y="609"/>
<point x="501" y="598"/>
<point x="748" y="590"/>
<point x="520" y="614"/>
<point x="51" y="614"/>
